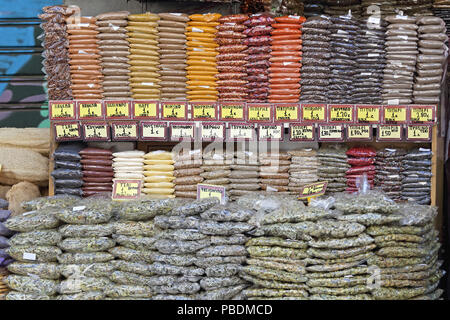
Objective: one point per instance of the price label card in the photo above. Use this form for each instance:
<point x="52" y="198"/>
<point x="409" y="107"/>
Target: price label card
<point x="421" y="114"/>
<point x="259" y="112"/>
<point x="144" y="109"/>
<point x="205" y="191"/>
<point x="341" y="113"/>
<point x="314" y="112"/>
<point x="368" y="114"/>
<point x="212" y="131"/>
<point x="96" y="131"/>
<point x="67" y="131"/>
<point x="270" y="131"/>
<point x="359" y="133"/>
<point x="394" y="114"/>
<point x="313" y="190"/>
<point x="153" y="131"/>
<point x="287" y="112"/>
<point x="62" y="110"/>
<point x="232" y="111"/>
<point x="182" y="131"/>
<point x="124" y="131"/>
<point x="203" y="111"/>
<point x="118" y="109"/>
<point x="126" y="189"/>
<point x="174" y="111"/>
<point x="389" y="133"/>
<point x="302" y="132"/>
<point x="88" y="110"/>
<point x="418" y="133"/>
<point x="241" y="132"/>
<point x="331" y="132"/>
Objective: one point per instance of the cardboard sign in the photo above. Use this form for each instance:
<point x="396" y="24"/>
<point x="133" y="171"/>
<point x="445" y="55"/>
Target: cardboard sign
<point x="124" y="131"/>
<point x="174" y="111"/>
<point x="212" y="131"/>
<point x="145" y="109"/>
<point x="394" y="114"/>
<point x="153" y="131"/>
<point x="287" y="112"/>
<point x="129" y="189"/>
<point x="314" y="112"/>
<point x="341" y="113"/>
<point x="331" y="132"/>
<point x="118" y="109"/>
<point x="259" y="112"/>
<point x="418" y="133"/>
<point x="182" y="131"/>
<point x="205" y="191"/>
<point x="67" y="131"/>
<point x="203" y="111"/>
<point x="232" y="111"/>
<point x="359" y="133"/>
<point x="368" y="114"/>
<point x="89" y="110"/>
<point x="302" y="132"/>
<point x="241" y="132"/>
<point x="96" y="131"/>
<point x="313" y="190"/>
<point x="268" y="132"/>
<point x="389" y="133"/>
<point x="421" y="114"/>
<point x="62" y="110"/>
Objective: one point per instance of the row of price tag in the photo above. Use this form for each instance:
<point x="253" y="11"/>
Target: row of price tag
<point x="251" y="112"/>
<point x="234" y="131"/>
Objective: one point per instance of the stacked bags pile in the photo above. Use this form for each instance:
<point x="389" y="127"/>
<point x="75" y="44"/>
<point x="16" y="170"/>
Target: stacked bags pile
<point x="56" y="52"/>
<point x="129" y="165"/>
<point x="314" y="7"/>
<point x="441" y="9"/>
<point x="5" y="234"/>
<point x="388" y="172"/>
<point x="286" y="57"/>
<point x="202" y="66"/>
<point x="114" y="52"/>
<point x="343" y="64"/>
<point x="432" y="56"/>
<point x="362" y="160"/>
<point x="416" y="8"/>
<point x="86" y="239"/>
<point x="338" y="8"/>
<point x="158" y="172"/>
<point x="144" y="56"/>
<point x="303" y="169"/>
<point x="258" y="42"/>
<point x="172" y="54"/>
<point x="401" y="49"/>
<point x="97" y="171"/>
<point x="315" y="71"/>
<point x="417" y="175"/>
<point x="232" y="58"/>
<point x="378" y="8"/>
<point x="370" y="58"/>
<point x="188" y="173"/>
<point x="85" y="63"/>
<point x="244" y="176"/>
<point x="68" y="176"/>
<point x="273" y="171"/>
<point x="216" y="167"/>
<point x="333" y="166"/>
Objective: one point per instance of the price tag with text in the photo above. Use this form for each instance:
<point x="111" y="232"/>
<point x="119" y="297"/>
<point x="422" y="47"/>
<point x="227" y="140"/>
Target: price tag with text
<point x="287" y="112"/>
<point x="394" y="114"/>
<point x="89" y="110"/>
<point x="339" y="113"/>
<point x="96" y="131"/>
<point x="314" y="112"/>
<point x="241" y="132"/>
<point x="331" y="132"/>
<point x="259" y="112"/>
<point x="205" y="191"/>
<point x="62" y="110"/>
<point x="153" y="131"/>
<point x="126" y="189"/>
<point x="359" y="133"/>
<point x="143" y="109"/>
<point x="182" y="131"/>
<point x="124" y="131"/>
<point x="232" y="111"/>
<point x="302" y="132"/>
<point x="118" y="109"/>
<point x="270" y="131"/>
<point x="418" y="133"/>
<point x="67" y="131"/>
<point x="212" y="131"/>
<point x="313" y="190"/>
<point x="174" y="110"/>
<point x="421" y="114"/>
<point x="389" y="133"/>
<point x="368" y="114"/>
<point x="203" y="111"/>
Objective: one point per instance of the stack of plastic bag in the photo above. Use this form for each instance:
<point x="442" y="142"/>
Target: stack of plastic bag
<point x="333" y="166"/>
<point x="417" y="175"/>
<point x="129" y="165"/>
<point x="114" y="52"/>
<point x="5" y="234"/>
<point x="362" y="160"/>
<point x="378" y="8"/>
<point x="338" y="8"/>
<point x="244" y="176"/>
<point x="97" y="171"/>
<point x="188" y="173"/>
<point x="144" y="57"/>
<point x="68" y="177"/>
<point x="273" y="171"/>
<point x="388" y="172"/>
<point x="216" y="167"/>
<point x="416" y="8"/>
<point x="158" y="172"/>
<point x="303" y="169"/>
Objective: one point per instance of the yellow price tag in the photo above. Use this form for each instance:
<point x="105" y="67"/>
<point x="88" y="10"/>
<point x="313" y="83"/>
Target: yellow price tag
<point x="241" y="131"/>
<point x="154" y="130"/>
<point x="389" y="132"/>
<point x="313" y="190"/>
<point x="421" y="114"/>
<point x="62" y="110"/>
<point x="96" y="131"/>
<point x="181" y="131"/>
<point x="205" y="191"/>
<point x="313" y="112"/>
<point x="126" y="189"/>
<point x="232" y="112"/>
<point x="368" y="114"/>
<point x="67" y="131"/>
<point x="125" y="131"/>
<point x="117" y="109"/>
<point x="212" y="131"/>
<point x="174" y="111"/>
<point x="418" y="133"/>
<point x="394" y="114"/>
<point x="359" y="133"/>
<point x="301" y="132"/>
<point x="88" y="110"/>
<point x="270" y="132"/>
<point x="145" y="110"/>
<point x="330" y="132"/>
<point x="204" y="112"/>
<point x="259" y="113"/>
<point x="286" y="113"/>
<point x="341" y="113"/>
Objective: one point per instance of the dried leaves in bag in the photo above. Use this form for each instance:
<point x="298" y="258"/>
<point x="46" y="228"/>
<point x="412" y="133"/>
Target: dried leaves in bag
<point x="91" y="295"/>
<point x="402" y="252"/>
<point x="222" y="251"/>
<point x="92" y="244"/>
<point x="180" y="247"/>
<point x="99" y="269"/>
<point x="370" y="219"/>
<point x="135" y="242"/>
<point x="228" y="240"/>
<point x="223" y="270"/>
<point x="294" y="231"/>
<point x="177" y="288"/>
<point x="227" y="213"/>
<point x="397" y="293"/>
<point x="195" y="207"/>
<point x="212" y="283"/>
<point x="182" y="235"/>
<point x="221" y="294"/>
<point x="31" y="221"/>
<point x="42" y="270"/>
<point x="333" y="267"/>
<point x="205" y="262"/>
<point x="135" y="228"/>
<point x="335" y="229"/>
<point x="339" y="254"/>
<point x="273" y="251"/>
<point x="166" y="269"/>
<point x="81" y="258"/>
<point x="273" y="293"/>
<point x="295" y="214"/>
<point x="84" y="284"/>
<point x="270" y="264"/>
<point x="176" y="222"/>
<point x="330" y="243"/>
<point x="117" y="291"/>
<point x="386" y="230"/>
<point x="90" y="212"/>
<point x="34" y="253"/>
<point x="372" y="201"/>
<point x="174" y="259"/>
<point x="277" y="275"/>
<point x="344" y="282"/>
<point x="128" y="254"/>
<point x="31" y="284"/>
<point x="272" y="283"/>
<point x="134" y="267"/>
<point x="355" y="290"/>
<point x="145" y="209"/>
<point x="360" y="270"/>
<point x="36" y="238"/>
<point x="16" y="295"/>
<point x="86" y="231"/>
<point x="223" y="228"/>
